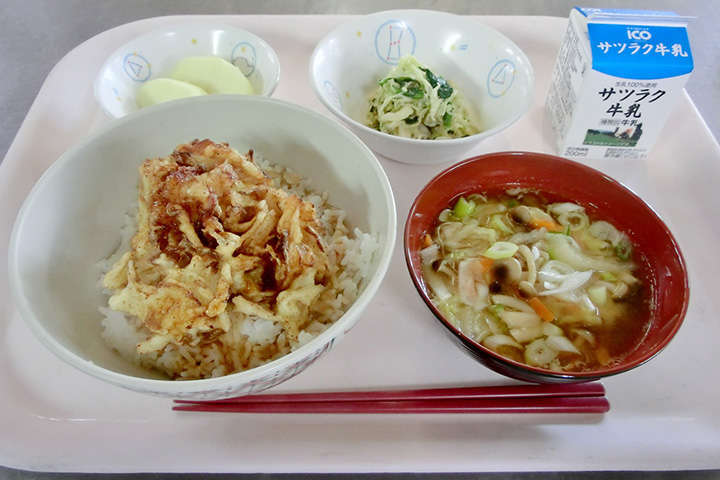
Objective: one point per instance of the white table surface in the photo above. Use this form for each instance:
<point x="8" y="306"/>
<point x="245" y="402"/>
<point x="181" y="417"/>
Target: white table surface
<point x="36" y="34"/>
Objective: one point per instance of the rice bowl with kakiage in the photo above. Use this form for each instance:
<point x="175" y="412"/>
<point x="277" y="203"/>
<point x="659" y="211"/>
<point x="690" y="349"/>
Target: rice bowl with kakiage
<point x="257" y="321"/>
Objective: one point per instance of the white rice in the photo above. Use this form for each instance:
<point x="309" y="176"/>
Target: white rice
<point x="252" y="341"/>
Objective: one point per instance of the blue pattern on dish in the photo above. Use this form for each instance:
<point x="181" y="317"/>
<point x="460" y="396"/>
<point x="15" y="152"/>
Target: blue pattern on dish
<point x="244" y="57"/>
<point x="500" y="78"/>
<point x="394" y="39"/>
<point x="137" y="67"/>
<point x="332" y="91"/>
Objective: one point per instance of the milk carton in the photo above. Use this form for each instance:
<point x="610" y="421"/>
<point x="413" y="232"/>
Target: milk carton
<point x="616" y="80"/>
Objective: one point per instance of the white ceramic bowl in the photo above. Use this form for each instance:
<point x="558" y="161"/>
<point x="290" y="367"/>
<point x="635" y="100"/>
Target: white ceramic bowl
<point x="491" y="72"/>
<point x="73" y="216"/>
<point x="155" y="55"/>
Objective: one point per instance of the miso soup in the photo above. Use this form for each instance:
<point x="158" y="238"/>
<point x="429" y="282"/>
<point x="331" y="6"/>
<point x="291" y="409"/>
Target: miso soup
<point x="540" y="282"/>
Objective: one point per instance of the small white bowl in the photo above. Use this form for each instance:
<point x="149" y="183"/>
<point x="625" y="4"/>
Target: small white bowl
<point x="155" y="55"/>
<point x="73" y="217"/>
<point x="489" y="70"/>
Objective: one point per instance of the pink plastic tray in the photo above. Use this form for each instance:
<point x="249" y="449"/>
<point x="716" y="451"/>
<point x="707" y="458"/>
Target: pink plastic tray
<point x="664" y="416"/>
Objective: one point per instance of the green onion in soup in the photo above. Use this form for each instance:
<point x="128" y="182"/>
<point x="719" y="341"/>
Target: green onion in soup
<point x="539" y="282"/>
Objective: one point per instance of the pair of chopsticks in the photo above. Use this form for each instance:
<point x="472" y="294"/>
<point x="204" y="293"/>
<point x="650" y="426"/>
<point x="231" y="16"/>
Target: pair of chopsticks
<point x="561" y="398"/>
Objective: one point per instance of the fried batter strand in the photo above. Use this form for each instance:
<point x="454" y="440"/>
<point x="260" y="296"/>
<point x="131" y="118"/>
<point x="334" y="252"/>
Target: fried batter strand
<point x="216" y="236"/>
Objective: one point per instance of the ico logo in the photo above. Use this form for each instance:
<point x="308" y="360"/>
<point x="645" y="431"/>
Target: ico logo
<point x="637" y="34"/>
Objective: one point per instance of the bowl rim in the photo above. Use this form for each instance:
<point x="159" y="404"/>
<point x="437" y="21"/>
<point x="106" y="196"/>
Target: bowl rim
<point x="421" y="142"/>
<point x="529" y="372"/>
<point x="168" y="387"/>
<point x="206" y="27"/>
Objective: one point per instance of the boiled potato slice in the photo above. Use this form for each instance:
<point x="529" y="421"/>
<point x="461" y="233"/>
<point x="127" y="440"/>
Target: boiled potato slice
<point x="213" y="74"/>
<point x="161" y="90"/>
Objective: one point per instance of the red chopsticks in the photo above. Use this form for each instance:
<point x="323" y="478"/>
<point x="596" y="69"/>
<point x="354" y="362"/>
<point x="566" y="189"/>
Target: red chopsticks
<point x="563" y="398"/>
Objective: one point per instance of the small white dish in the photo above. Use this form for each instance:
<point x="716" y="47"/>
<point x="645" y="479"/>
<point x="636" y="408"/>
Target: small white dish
<point x="155" y="54"/>
<point x="490" y="71"/>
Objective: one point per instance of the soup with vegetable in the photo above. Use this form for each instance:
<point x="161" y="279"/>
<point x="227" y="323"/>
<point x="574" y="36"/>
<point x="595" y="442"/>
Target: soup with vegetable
<point x="542" y="283"/>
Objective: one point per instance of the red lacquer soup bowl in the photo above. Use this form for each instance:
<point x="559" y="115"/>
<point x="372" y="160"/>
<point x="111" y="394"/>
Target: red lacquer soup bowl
<point x="660" y="262"/>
